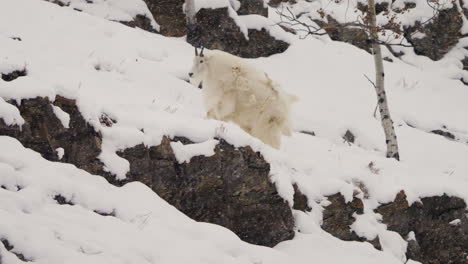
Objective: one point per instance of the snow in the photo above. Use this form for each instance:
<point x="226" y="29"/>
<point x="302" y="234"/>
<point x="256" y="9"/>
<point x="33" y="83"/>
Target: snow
<point x="411" y="236"/>
<point x="115" y="10"/>
<point x="137" y="78"/>
<point x="258" y="22"/>
<point x="60" y="153"/>
<point x="455" y="222"/>
<point x="347" y="12"/>
<point x="62" y="116"/>
<point x="144" y="228"/>
<point x="10" y="114"/>
<point x="184" y="153"/>
<point x="214" y="4"/>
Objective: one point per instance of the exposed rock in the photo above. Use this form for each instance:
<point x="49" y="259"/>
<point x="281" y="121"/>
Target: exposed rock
<point x="276" y="3"/>
<point x="59" y="2"/>
<point x="217" y="30"/>
<point x="349" y="137"/>
<point x="301" y="201"/>
<point x="106" y="120"/>
<point x="338" y="216"/>
<point x="62" y="200"/>
<point x="443" y="133"/>
<point x="438" y="241"/>
<point x="261" y="44"/>
<point x="16" y="38"/>
<point x="10" y="76"/>
<point x="169" y="15"/>
<point x="379" y="7"/>
<point x="44" y="133"/>
<point x="140" y="21"/>
<point x="8" y="246"/>
<point x="413" y="250"/>
<point x="249" y="7"/>
<point x="435" y="37"/>
<point x="465" y="63"/>
<point x="441" y="34"/>
<point x="230" y="188"/>
<point x="310" y="133"/>
<point x="353" y="35"/>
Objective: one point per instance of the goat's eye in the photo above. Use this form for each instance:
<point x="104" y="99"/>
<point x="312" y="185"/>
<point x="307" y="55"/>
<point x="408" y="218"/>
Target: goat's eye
<point x="201" y="61"/>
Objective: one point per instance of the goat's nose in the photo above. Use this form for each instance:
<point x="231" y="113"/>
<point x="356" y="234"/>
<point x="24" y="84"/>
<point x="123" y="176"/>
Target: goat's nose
<point x="190" y="74"/>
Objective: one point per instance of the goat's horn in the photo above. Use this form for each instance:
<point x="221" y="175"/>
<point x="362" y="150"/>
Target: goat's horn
<point x="201" y="52"/>
<point x="196" y="51"/>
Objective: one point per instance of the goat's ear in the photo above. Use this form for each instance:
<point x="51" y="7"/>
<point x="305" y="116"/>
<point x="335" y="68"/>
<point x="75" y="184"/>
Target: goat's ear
<point x="196" y="51"/>
<point x="201" y="52"/>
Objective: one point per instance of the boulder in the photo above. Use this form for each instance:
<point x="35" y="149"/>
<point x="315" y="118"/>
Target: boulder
<point x="276" y="3"/>
<point x="216" y="29"/>
<point x="353" y="35"/>
<point x="439" y="223"/>
<point x="43" y="132"/>
<point x="169" y="15"/>
<point x="249" y="7"/>
<point x="231" y="189"/>
<point x="440" y="34"/>
<point x="140" y="21"/>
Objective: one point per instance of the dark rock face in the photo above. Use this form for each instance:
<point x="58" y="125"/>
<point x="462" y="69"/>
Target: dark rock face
<point x="276" y="3"/>
<point x="465" y="63"/>
<point x="301" y="202"/>
<point x="443" y="133"/>
<point x="442" y="33"/>
<point x="437" y="241"/>
<point x="349" y="137"/>
<point x="140" y="21"/>
<point x="352" y="35"/>
<point x="44" y="133"/>
<point x="252" y="7"/>
<point x="338" y="216"/>
<point x="230" y="188"/>
<point x="10" y="76"/>
<point x="217" y="30"/>
<point x="169" y="15"/>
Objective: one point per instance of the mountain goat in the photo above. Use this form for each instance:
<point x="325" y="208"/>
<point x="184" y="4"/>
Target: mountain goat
<point x="236" y="91"/>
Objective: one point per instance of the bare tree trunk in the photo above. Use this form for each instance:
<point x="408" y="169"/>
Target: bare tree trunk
<point x="387" y="122"/>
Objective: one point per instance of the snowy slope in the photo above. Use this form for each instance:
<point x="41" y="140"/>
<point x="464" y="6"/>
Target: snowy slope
<point x="137" y="78"/>
<point x="114" y="10"/>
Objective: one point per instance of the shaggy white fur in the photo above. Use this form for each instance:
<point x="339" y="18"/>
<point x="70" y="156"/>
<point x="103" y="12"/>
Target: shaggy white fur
<point x="234" y="90"/>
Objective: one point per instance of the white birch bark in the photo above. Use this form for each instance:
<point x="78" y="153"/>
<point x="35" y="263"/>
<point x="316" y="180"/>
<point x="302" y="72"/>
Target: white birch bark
<point x="387" y="123"/>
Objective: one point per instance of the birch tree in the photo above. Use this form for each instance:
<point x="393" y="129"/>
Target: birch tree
<point x="371" y="27"/>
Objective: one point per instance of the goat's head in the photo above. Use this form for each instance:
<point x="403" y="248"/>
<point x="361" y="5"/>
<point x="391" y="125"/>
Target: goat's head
<point x="199" y="68"/>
